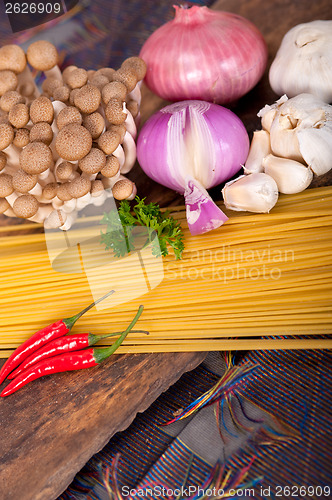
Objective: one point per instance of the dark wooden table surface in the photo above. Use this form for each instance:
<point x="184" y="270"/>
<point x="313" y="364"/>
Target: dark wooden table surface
<point x="51" y="428"/>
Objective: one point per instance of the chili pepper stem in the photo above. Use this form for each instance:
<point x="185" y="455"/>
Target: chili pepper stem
<point x="69" y="322"/>
<point x="100" y="354"/>
<point x="93" y="339"/>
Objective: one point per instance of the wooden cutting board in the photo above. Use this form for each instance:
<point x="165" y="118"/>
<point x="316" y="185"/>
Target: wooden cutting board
<point x="52" y="427"/>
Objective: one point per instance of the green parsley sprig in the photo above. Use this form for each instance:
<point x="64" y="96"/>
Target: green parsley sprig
<point x="120" y="235"/>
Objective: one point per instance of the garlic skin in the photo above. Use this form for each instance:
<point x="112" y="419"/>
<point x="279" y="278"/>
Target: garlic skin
<point x="291" y="176"/>
<point x="304" y="61"/>
<point x="301" y="130"/>
<point x="257" y="192"/>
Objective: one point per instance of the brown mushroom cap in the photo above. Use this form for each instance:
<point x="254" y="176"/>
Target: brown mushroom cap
<point x="19" y="115"/>
<point x="109" y="141"/>
<point x="3" y="160"/>
<point x="88" y="98"/>
<point x="42" y="55"/>
<point x="4" y="205"/>
<point x="114" y="89"/>
<point x="8" y="81"/>
<point x="50" y="190"/>
<point x="12" y="57"/>
<point x="72" y="95"/>
<point x="77" y="78"/>
<point x="9" y="99"/>
<point x="67" y="71"/>
<point x="95" y="124"/>
<point x="25" y="206"/>
<point x="41" y="132"/>
<point x="21" y="138"/>
<point x="91" y="73"/>
<point x="112" y="167"/>
<point x="73" y="142"/>
<point x="122" y="189"/>
<point x="35" y="158"/>
<point x="64" y="170"/>
<point x="41" y="110"/>
<point x="93" y="162"/>
<point x="133" y="107"/>
<point x="100" y="81"/>
<point x="79" y="186"/>
<point x="97" y="187"/>
<point x="63" y="193"/>
<point x="114" y="112"/>
<point x="6" y="185"/>
<point x="120" y="129"/>
<point x="61" y="93"/>
<point x="137" y="65"/>
<point x="108" y="72"/>
<point x="50" y="84"/>
<point x="23" y="182"/>
<point x="6" y="135"/>
<point x="127" y="76"/>
<point x="68" y="115"/>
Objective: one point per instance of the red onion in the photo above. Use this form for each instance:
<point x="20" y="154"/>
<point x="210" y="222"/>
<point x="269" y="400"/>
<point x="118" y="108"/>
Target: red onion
<point x="191" y="146"/>
<point x="204" y="54"/>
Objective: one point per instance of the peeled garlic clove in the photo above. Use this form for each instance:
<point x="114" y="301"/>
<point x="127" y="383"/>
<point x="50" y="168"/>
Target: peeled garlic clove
<point x="283" y="135"/>
<point x="259" y="148"/>
<point x="304" y="61"/>
<point x="316" y="148"/>
<point x="291" y="176"/>
<point x="256" y="192"/>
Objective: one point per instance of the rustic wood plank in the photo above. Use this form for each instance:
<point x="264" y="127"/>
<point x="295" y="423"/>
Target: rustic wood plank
<point x="51" y="428"/>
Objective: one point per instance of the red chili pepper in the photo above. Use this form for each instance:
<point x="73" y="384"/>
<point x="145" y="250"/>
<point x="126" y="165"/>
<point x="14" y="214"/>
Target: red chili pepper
<point x="67" y="362"/>
<point x="42" y="337"/>
<point x="61" y="345"/>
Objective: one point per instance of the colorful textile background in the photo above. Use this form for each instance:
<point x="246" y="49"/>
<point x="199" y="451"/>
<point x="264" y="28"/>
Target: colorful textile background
<point x="98" y="33"/>
<point x="278" y="417"/>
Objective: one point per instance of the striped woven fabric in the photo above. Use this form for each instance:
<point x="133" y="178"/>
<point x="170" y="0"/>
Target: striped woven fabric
<point x="281" y="430"/>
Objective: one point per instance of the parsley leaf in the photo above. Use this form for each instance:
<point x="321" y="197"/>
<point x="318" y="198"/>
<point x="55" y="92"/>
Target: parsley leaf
<point x="119" y="236"/>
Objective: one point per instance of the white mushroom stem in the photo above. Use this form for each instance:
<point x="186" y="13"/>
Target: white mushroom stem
<point x="11" y="198"/>
<point x="36" y="190"/>
<point x="46" y="180"/>
<point x="54" y="73"/>
<point x="130" y="124"/>
<point x="45" y="176"/>
<point x="42" y="213"/>
<point x="57" y="203"/>
<point x="120" y="155"/>
<point x="12" y="152"/>
<point x="69" y="206"/>
<point x="9" y="212"/>
<point x="27" y="85"/>
<point x="135" y="94"/>
<point x="129" y="147"/>
<point x="69" y="221"/>
<point x="83" y="201"/>
<point x="108" y="182"/>
<point x="55" y="219"/>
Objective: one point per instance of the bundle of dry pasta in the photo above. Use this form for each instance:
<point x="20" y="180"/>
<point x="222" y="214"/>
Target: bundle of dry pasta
<point x="259" y="276"/>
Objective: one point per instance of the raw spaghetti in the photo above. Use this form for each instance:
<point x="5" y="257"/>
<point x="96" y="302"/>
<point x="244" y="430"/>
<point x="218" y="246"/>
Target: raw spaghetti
<point x="259" y="275"/>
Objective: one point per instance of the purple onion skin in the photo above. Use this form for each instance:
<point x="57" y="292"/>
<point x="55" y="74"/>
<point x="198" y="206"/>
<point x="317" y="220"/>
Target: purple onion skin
<point x="223" y="139"/>
<point x="204" y="54"/>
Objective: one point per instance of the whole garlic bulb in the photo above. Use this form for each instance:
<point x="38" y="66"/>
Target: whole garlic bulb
<point x="304" y="61"/>
<point x="301" y="130"/>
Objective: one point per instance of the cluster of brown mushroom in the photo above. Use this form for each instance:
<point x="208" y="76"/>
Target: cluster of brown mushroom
<point x="70" y="145"/>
